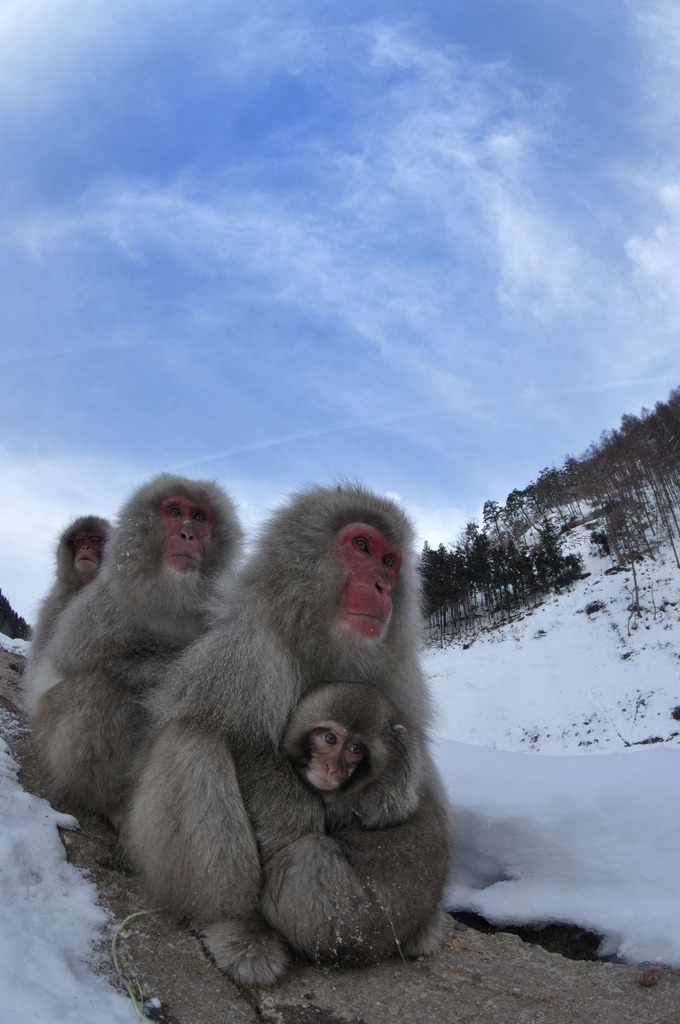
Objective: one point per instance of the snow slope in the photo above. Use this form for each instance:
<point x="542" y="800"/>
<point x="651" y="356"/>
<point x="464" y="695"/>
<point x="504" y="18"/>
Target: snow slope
<point x="561" y="679"/>
<point x="589" y="840"/>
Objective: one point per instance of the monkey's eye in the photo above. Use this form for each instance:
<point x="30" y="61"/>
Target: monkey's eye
<point x="174" y="510"/>
<point x="201" y="516"/>
<point x="355" y="752"/>
<point x="362" y="544"/>
<point x="330" y="738"/>
<point x="388" y="560"/>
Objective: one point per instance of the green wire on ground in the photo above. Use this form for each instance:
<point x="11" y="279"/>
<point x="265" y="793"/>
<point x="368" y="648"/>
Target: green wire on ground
<point x="135" y="997"/>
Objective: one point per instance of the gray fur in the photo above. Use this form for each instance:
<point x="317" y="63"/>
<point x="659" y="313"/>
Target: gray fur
<point x="368" y="868"/>
<point x="68" y="581"/>
<point x="360" y="894"/>
<point x="385" y="789"/>
<point x="114" y="643"/>
<point x="227" y="702"/>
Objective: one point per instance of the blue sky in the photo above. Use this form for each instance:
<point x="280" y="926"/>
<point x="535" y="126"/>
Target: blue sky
<point x="433" y="247"/>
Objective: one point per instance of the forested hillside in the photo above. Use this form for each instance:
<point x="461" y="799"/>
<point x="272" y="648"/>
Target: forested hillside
<point x="11" y="624"/>
<point x="626" y="487"/>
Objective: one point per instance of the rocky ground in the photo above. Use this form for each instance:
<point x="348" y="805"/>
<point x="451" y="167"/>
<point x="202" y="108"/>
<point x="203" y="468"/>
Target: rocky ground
<point x="476" y="977"/>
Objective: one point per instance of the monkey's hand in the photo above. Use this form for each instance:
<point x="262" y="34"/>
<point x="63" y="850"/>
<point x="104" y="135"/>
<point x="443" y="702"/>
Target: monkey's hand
<point x="382" y="805"/>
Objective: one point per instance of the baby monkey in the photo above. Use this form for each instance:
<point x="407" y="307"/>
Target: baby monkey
<point x="346" y="742"/>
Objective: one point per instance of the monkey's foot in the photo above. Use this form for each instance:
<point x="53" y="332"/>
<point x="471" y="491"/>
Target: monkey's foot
<point x="248" y="950"/>
<point x="429" y="939"/>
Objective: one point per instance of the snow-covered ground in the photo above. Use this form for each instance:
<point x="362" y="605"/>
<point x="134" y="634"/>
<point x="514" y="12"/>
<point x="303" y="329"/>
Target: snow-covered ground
<point x="558" y="743"/>
<point x="570" y="677"/>
<point x="565" y="811"/>
<point x="50" y="920"/>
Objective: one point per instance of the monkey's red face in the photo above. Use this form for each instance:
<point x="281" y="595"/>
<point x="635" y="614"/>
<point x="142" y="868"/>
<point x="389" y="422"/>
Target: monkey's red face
<point x="335" y="754"/>
<point x="187" y="526"/>
<point x="372" y="565"/>
<point x="87" y="549"/>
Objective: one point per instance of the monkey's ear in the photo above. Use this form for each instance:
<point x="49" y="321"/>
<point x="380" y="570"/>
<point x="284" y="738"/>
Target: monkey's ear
<point x="400" y="730"/>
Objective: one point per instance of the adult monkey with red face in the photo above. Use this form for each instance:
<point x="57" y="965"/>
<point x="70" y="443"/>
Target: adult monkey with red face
<point x="221" y="824"/>
<point x="115" y="640"/>
<point x="78" y="557"/>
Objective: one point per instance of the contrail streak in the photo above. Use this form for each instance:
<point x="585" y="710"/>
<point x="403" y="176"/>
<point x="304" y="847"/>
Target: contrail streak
<point x="455" y="407"/>
<point x="299" y="436"/>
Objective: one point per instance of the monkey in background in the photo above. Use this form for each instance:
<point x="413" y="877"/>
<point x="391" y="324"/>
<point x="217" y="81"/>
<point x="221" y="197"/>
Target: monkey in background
<point x="222" y="826"/>
<point x="78" y="557"/>
<point x="115" y="640"/>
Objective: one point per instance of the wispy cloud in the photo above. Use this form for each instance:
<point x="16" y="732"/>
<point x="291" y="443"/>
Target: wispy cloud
<point x="653" y="238"/>
<point x="658" y="255"/>
<point x="453" y="156"/>
<point x="656" y="23"/>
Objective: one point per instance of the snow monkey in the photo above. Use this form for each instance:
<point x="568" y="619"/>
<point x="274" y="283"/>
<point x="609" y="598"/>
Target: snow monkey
<point x="223" y="827"/>
<point x="78" y="557"/>
<point x="345" y="741"/>
<point x="115" y="639"/>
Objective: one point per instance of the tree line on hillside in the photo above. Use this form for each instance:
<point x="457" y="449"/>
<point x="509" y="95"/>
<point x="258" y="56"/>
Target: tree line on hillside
<point x="628" y="482"/>
<point x="11" y="624"/>
<point x="482" y="579"/>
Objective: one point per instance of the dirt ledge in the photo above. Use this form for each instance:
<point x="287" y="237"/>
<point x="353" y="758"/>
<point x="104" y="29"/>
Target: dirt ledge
<point x="476" y="977"/>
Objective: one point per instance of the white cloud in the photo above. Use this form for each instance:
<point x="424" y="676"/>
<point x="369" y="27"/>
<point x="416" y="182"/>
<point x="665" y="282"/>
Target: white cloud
<point x="438" y="525"/>
<point x="657" y="256"/>
<point x="442" y="155"/>
<point x="657" y="25"/>
<point x="43" y="44"/>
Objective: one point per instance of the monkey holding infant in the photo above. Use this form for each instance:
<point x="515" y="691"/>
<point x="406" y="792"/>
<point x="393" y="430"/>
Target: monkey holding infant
<point x="222" y="825"/>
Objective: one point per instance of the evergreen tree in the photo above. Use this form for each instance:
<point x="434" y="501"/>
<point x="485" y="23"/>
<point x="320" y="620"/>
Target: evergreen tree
<point x="11" y="624"/>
